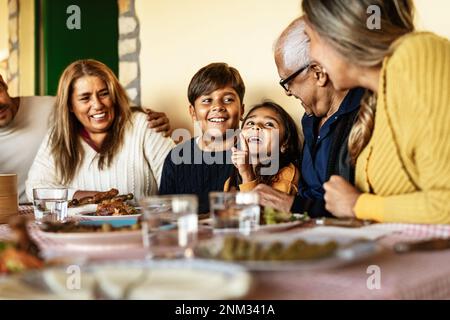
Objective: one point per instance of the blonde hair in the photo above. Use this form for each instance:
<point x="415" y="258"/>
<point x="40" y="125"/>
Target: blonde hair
<point x="64" y="135"/>
<point x="343" y="24"/>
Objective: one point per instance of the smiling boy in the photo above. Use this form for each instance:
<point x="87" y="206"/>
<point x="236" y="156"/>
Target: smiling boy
<point x="203" y="164"/>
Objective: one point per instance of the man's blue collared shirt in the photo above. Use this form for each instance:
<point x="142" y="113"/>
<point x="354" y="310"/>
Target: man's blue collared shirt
<point x="316" y="149"/>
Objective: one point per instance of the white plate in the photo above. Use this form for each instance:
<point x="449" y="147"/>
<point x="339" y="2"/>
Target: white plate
<point x="79" y="211"/>
<point x="262" y="227"/>
<point x="349" y="251"/>
<point x="153" y="280"/>
<point x="94" y="239"/>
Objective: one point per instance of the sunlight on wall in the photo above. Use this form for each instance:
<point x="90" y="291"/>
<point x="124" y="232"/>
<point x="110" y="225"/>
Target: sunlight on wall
<point x="433" y="16"/>
<point x="179" y="37"/>
<point x="26" y="50"/>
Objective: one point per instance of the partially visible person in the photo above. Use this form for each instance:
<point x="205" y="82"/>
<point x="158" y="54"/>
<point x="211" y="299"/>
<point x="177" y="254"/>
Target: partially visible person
<point x="326" y="124"/>
<point x="23" y="125"/>
<point x="96" y="141"/>
<point x="203" y="164"/>
<point x="259" y="150"/>
<point x="400" y="139"/>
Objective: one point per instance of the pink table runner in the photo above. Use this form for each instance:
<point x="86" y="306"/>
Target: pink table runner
<point x="409" y="276"/>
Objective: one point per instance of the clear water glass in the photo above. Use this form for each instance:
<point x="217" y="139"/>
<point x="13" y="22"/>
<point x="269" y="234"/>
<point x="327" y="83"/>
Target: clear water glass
<point x="235" y="211"/>
<point x="50" y="204"/>
<point x="170" y="225"/>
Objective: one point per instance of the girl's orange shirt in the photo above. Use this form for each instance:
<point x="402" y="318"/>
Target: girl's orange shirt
<point x="287" y="181"/>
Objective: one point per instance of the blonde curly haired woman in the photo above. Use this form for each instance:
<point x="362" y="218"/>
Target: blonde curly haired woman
<point x="96" y="141"/>
<point x="400" y="140"/>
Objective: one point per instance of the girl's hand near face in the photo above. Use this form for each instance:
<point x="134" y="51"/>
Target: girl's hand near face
<point x="241" y="160"/>
<point x="340" y="197"/>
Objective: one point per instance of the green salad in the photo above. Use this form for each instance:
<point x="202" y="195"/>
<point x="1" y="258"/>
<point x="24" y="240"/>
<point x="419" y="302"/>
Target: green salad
<point x="273" y="216"/>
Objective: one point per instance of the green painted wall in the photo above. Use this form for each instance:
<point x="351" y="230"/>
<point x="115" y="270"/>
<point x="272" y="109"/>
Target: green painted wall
<point x="97" y="38"/>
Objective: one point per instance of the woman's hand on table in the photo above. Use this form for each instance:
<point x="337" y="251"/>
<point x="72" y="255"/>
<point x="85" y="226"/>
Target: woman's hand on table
<point x="158" y="121"/>
<point x="340" y="197"/>
<point x="269" y="197"/>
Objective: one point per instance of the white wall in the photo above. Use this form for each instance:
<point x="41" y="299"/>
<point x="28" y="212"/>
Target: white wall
<point x="179" y="37"/>
<point x="433" y="15"/>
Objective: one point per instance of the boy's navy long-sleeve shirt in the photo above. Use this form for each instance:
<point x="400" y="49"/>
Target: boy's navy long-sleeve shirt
<point x="190" y="170"/>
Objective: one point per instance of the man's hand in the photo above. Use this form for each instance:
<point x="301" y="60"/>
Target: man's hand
<point x="240" y="159"/>
<point x="269" y="197"/>
<point x="340" y="197"/>
<point x="158" y="121"/>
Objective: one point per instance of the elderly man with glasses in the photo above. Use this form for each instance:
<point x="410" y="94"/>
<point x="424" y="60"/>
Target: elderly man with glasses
<point x="329" y="116"/>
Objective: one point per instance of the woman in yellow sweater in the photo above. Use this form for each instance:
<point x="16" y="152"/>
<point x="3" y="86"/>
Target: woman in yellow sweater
<point x="400" y="137"/>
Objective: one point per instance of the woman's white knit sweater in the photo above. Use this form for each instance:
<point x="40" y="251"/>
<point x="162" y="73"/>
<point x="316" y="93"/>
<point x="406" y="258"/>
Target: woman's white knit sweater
<point x="135" y="169"/>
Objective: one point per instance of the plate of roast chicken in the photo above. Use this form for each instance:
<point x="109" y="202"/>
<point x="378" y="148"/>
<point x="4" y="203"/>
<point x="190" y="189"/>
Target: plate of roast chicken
<point x="105" y="206"/>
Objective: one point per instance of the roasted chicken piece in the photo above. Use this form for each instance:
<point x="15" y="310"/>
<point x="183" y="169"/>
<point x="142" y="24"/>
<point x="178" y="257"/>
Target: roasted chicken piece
<point x="101" y="197"/>
<point x="114" y="207"/>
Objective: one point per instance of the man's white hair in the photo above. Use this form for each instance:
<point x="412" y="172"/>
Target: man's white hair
<point x="293" y="46"/>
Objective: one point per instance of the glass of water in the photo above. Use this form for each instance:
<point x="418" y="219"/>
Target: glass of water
<point x="170" y="225"/>
<point x="235" y="211"/>
<point x="50" y="204"/>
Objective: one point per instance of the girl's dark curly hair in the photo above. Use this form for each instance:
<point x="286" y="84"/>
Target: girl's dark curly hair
<point x="290" y="140"/>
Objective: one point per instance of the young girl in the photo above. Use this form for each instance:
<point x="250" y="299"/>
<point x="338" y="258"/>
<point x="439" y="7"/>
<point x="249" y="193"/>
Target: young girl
<point x="269" y="151"/>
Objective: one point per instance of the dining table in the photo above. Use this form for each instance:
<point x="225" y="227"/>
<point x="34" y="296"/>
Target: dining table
<point x="386" y="274"/>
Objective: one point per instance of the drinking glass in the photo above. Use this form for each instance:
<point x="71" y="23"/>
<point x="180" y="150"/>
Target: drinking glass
<point x="50" y="204"/>
<point x="235" y="211"/>
<point x="170" y="225"/>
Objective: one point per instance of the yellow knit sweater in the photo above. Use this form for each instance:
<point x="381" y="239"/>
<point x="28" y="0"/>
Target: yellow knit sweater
<point x="405" y="168"/>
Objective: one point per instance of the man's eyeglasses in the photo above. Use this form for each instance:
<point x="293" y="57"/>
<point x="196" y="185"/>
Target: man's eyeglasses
<point x="284" y="82"/>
